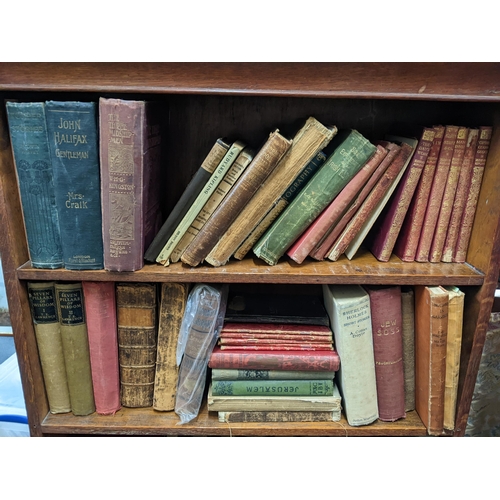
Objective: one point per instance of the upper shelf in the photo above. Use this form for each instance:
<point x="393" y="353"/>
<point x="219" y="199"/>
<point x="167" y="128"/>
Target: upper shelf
<point x="422" y="81"/>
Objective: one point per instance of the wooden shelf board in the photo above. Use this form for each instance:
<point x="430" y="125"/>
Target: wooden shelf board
<point x="148" y="422"/>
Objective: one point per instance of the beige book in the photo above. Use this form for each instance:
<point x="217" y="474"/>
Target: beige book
<point x="308" y="141"/>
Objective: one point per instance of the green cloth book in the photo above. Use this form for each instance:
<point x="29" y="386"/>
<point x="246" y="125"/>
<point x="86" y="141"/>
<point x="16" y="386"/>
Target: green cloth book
<point x="272" y="387"/>
<point x="352" y="152"/>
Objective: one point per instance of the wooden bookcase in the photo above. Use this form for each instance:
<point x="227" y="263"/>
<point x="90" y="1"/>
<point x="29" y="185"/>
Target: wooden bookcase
<point x="248" y="101"/>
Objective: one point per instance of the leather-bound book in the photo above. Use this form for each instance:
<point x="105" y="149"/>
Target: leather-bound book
<point x="385" y="306"/>
<point x="100" y="310"/>
<point x="30" y="147"/>
<point x="75" y="342"/>
<point x="74" y="148"/>
<point x="408" y="331"/>
<point x="256" y="173"/>
<point x="130" y="148"/>
<point x="137" y="336"/>
<point x="43" y="306"/>
<point x="431" y="330"/>
<point x="172" y="307"/>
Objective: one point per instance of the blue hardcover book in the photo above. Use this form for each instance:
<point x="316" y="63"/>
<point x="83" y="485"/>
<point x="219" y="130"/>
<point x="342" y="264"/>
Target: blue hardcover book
<point x="28" y="133"/>
<point x="74" y="148"/>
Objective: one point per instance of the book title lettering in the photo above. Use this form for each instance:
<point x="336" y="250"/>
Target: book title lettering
<point x="118" y="130"/>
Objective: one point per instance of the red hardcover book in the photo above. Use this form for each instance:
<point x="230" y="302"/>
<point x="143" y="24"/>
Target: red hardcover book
<point x="390" y="223"/>
<point x="330" y="215"/>
<point x="442" y="223"/>
<point x="275" y="338"/>
<point x="275" y="329"/>
<point x="100" y="310"/>
<point x="409" y="235"/>
<point x="436" y="193"/>
<point x="280" y="347"/>
<point x="275" y="360"/>
<point x="460" y="195"/>
<point x="385" y="306"/>
<point x="320" y="251"/>
<point x="130" y="142"/>
<point x="483" y="147"/>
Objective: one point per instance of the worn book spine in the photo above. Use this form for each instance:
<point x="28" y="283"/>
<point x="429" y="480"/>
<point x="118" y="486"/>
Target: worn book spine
<point x="277" y="329"/>
<point x="460" y="195"/>
<point x="74" y="148"/>
<point x="274" y="360"/>
<point x="306" y="144"/>
<point x="385" y="306"/>
<point x="316" y="232"/>
<point x="278" y="416"/>
<point x="100" y="311"/>
<point x="323" y="248"/>
<point x="293" y="190"/>
<point x="348" y="307"/>
<point x="172" y="307"/>
<point x="269" y="338"/>
<point x="343" y="164"/>
<point x="130" y="147"/>
<point x="28" y="135"/>
<point x="200" y="178"/>
<point x="431" y="330"/>
<point x="281" y="346"/>
<point x="443" y="220"/>
<point x="233" y="374"/>
<point x="43" y="307"/>
<point x="137" y="338"/>
<point x="408" y="332"/>
<point x="436" y="194"/>
<point x="272" y="387"/>
<point x="391" y="221"/>
<point x="228" y="181"/>
<point x="75" y="342"/>
<point x="256" y="173"/>
<point x="483" y="147"/>
<point x="409" y="235"/>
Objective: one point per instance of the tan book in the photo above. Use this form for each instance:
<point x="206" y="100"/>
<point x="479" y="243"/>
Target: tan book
<point x="75" y="342"/>
<point x="137" y="335"/>
<point x="255" y="174"/>
<point x="279" y="416"/>
<point x="172" y="307"/>
<point x="307" y="142"/>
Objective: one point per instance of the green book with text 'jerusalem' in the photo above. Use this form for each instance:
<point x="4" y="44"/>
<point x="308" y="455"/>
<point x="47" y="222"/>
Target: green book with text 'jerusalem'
<point x="272" y="387"/>
<point x="352" y="151"/>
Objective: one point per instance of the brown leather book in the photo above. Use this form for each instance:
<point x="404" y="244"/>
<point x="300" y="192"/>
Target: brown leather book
<point x="431" y="330"/>
<point x="172" y="307"/>
<point x="245" y="187"/>
<point x="137" y="334"/>
<point x="408" y="332"/>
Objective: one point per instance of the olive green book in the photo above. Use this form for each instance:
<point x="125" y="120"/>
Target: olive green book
<point x="272" y="387"/>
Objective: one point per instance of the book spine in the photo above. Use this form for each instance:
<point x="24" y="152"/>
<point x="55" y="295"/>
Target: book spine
<point x="272" y="387"/>
<point x="172" y="307"/>
<point x="228" y="374"/>
<point x="271" y="338"/>
<point x="408" y="333"/>
<point x="282" y="346"/>
<point x="74" y="148"/>
<point x="200" y="178"/>
<point x="483" y="146"/>
<point x="460" y="196"/>
<point x="137" y="338"/>
<point x="75" y="342"/>
<point x="28" y="135"/>
<point x="306" y="144"/>
<point x="43" y="307"/>
<point x="436" y="194"/>
<point x="443" y="220"/>
<point x="201" y="199"/>
<point x="409" y="235"/>
<point x="129" y="156"/>
<point x="277" y="329"/>
<point x="316" y="232"/>
<point x="392" y="221"/>
<point x="331" y="178"/>
<point x="100" y="311"/>
<point x="278" y="416"/>
<point x="228" y="181"/>
<point x="261" y="167"/>
<point x="385" y="306"/>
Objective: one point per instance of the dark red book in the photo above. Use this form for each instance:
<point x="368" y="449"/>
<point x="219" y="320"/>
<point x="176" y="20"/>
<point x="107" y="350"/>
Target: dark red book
<point x="385" y="306"/>
<point x="276" y="329"/>
<point x="274" y="338"/>
<point x="295" y="346"/>
<point x="275" y="360"/>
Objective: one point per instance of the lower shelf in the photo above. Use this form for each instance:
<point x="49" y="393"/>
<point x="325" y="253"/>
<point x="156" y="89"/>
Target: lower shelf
<point x="147" y="422"/>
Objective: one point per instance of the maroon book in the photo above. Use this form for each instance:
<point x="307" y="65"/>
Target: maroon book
<point x="275" y="360"/>
<point x="276" y="329"/>
<point x="385" y="306"/>
<point x="100" y="311"/>
<point x="274" y="338"/>
<point x="130" y="186"/>
<point x="244" y="346"/>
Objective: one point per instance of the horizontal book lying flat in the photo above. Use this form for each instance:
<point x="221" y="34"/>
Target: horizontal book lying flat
<point x="228" y="374"/>
<point x="272" y="387"/>
<point x="279" y="416"/>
